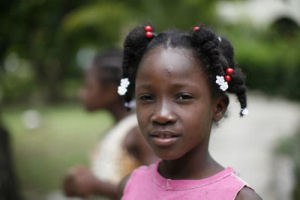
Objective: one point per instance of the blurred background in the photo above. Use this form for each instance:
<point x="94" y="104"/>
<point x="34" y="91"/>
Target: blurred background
<point x="45" y="45"/>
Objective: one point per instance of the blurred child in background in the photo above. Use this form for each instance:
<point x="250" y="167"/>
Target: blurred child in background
<point x="122" y="149"/>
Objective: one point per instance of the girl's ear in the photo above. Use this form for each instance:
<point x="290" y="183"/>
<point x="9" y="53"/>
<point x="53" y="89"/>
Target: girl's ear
<point x="221" y="104"/>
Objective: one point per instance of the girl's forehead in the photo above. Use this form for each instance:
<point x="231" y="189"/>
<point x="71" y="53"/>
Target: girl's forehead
<point x="171" y="68"/>
<point x="168" y="60"/>
<point x="170" y="51"/>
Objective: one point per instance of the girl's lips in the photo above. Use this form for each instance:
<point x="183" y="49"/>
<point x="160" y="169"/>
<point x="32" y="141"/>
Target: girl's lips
<point x="164" y="138"/>
<point x="164" y="142"/>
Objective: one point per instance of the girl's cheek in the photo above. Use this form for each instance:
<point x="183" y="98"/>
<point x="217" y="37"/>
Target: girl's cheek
<point x="143" y="116"/>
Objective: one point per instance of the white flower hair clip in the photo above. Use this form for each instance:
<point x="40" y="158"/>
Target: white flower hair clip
<point x="122" y="89"/>
<point x="130" y="105"/>
<point x="222" y="83"/>
<point x="244" y="112"/>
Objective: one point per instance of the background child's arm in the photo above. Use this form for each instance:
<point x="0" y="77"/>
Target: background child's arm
<point x="136" y="145"/>
<point x="81" y="182"/>
<point x="247" y="194"/>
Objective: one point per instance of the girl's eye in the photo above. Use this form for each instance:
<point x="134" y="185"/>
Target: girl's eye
<point x="145" y="98"/>
<point x="184" y="97"/>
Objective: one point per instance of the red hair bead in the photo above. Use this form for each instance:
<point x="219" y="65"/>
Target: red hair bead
<point x="227" y="78"/>
<point x="229" y="71"/>
<point x="196" y="28"/>
<point x="148" y="28"/>
<point x="149" y="34"/>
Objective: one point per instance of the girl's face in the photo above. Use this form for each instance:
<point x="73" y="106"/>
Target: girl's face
<point x="175" y="109"/>
<point x="94" y="95"/>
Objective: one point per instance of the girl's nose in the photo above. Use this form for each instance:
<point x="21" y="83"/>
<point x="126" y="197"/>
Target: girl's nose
<point x="163" y="114"/>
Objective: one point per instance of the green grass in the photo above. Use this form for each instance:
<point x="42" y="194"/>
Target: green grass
<point x="65" y="138"/>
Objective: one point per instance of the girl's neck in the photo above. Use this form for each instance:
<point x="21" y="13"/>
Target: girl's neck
<point x="194" y="165"/>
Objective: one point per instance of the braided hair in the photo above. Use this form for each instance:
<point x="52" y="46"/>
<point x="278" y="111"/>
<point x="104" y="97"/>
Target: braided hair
<point x="215" y="53"/>
<point x="108" y="65"/>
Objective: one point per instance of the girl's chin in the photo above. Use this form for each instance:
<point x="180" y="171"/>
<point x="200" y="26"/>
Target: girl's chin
<point x="167" y="152"/>
<point x="167" y="156"/>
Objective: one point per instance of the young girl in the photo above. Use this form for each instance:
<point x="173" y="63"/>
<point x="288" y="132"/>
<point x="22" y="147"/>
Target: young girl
<point x="123" y="148"/>
<point x="180" y="81"/>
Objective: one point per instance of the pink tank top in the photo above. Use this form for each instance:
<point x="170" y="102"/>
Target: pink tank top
<point x="147" y="184"/>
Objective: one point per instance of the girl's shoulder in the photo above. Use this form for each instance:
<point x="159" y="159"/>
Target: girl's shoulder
<point x="247" y="194"/>
<point x="142" y="172"/>
<point x="136" y="178"/>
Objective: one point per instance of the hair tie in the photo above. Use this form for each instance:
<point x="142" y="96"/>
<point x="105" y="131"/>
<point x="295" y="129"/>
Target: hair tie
<point x="148" y="32"/>
<point x="229" y="71"/>
<point x="196" y="28"/>
<point x="223" y="81"/>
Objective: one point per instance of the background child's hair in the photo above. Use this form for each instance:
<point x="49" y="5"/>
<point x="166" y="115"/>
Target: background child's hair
<point x="108" y="65"/>
<point x="215" y="54"/>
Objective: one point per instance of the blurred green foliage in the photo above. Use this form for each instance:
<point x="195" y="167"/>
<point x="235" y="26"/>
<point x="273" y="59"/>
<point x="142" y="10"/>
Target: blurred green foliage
<point x="270" y="61"/>
<point x="32" y="30"/>
<point x="48" y="35"/>
<point x="16" y="82"/>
